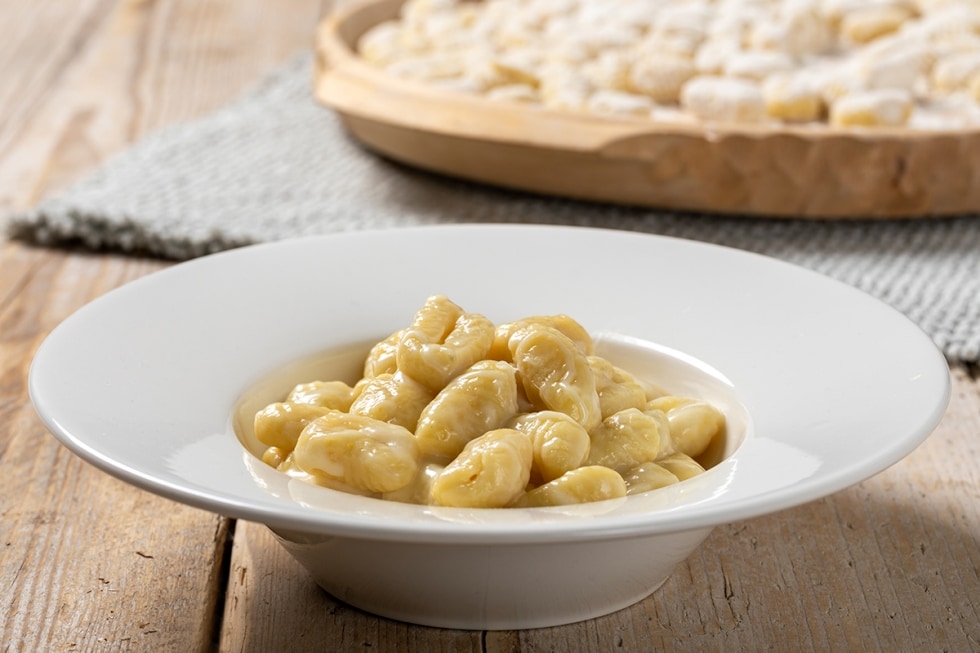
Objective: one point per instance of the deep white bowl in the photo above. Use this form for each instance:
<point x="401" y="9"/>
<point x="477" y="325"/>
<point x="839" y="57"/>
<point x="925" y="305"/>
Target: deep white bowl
<point x="822" y="385"/>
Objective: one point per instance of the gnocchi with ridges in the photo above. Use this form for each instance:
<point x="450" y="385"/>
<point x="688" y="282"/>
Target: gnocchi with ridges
<point x="538" y="420"/>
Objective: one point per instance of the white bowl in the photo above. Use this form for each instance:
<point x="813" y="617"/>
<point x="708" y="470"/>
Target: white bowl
<point x="823" y="387"/>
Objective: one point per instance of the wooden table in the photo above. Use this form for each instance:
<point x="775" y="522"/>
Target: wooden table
<point x="90" y="564"/>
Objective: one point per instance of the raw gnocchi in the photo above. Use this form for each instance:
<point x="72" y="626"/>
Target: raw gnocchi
<point x="520" y="414"/>
<point x="735" y="61"/>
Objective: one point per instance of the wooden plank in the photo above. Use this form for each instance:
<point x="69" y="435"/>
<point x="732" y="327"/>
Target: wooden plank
<point x="89" y="563"/>
<point x="273" y="605"/>
<point x="40" y="45"/>
<point x="142" y="66"/>
<point x="136" y="576"/>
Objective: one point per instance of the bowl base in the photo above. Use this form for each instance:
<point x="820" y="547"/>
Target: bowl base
<point x="500" y="587"/>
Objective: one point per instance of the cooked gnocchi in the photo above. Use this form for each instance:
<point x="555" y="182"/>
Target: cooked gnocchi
<point x="453" y="410"/>
<point x="848" y="64"/>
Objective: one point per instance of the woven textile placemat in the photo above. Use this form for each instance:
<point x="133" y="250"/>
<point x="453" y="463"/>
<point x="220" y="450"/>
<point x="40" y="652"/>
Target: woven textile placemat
<point x="276" y="165"/>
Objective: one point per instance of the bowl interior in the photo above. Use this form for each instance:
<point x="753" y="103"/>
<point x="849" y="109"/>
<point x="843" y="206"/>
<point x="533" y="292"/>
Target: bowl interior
<point x="673" y="371"/>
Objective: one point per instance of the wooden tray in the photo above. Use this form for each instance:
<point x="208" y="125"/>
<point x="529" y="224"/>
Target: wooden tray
<point x="813" y="172"/>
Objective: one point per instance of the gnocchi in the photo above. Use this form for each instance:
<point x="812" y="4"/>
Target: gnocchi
<point x="520" y="414"/>
<point x="735" y="61"/>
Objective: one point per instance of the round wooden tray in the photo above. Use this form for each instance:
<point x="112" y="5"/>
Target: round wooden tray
<point x="813" y="172"/>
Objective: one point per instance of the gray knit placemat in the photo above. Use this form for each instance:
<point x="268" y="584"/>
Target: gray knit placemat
<point x="275" y="165"/>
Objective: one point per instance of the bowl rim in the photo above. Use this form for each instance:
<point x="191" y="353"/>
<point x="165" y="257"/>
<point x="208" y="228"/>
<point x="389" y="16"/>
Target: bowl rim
<point x="55" y="374"/>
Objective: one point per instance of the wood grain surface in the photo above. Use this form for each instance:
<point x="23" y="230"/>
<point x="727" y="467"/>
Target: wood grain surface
<point x="90" y="564"/>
